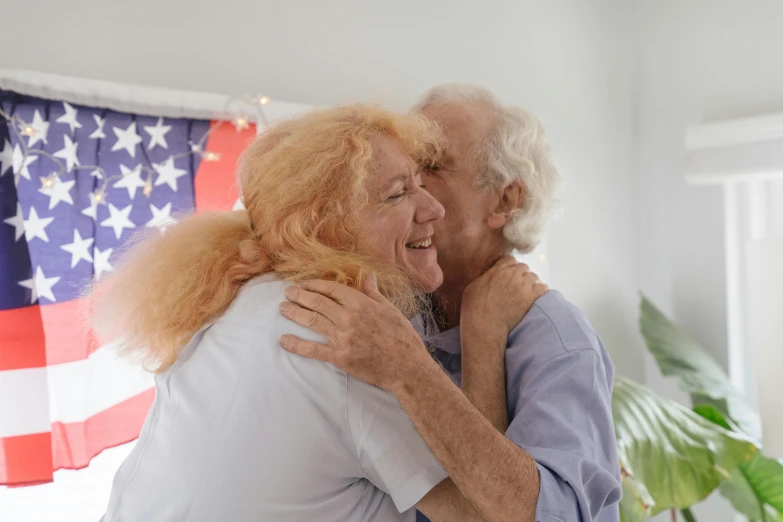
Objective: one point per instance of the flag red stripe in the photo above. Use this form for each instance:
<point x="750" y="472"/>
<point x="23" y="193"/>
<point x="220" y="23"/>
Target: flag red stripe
<point x="22" y="339"/>
<point x="34" y="336"/>
<point x="214" y="183"/>
<point x="32" y="459"/>
<point x="26" y="459"/>
<point x="68" y="337"/>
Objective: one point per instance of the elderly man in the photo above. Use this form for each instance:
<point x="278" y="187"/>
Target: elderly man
<point x="547" y="453"/>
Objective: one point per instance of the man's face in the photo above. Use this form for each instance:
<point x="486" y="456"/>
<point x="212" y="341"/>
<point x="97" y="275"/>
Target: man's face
<point x="453" y="183"/>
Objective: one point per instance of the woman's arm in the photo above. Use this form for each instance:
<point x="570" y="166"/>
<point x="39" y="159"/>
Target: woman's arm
<point x="483" y="383"/>
<point x="484" y="371"/>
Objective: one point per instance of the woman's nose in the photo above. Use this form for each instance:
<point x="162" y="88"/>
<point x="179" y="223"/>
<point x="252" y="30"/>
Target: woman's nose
<point x="429" y="208"/>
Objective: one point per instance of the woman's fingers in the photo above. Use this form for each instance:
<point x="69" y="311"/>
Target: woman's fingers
<point x="311" y="320"/>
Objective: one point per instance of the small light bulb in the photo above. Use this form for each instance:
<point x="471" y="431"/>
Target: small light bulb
<point x="241" y="123"/>
<point x="212" y="156"/>
<point x="28" y="130"/>
<point x="148" y="188"/>
<point x="98" y="197"/>
<point x="195" y="147"/>
<point x="263" y="100"/>
<point x="48" y="181"/>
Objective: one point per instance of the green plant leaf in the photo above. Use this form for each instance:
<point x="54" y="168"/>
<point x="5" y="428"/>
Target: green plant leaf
<point x="757" y="482"/>
<point x="636" y="503"/>
<point x="677" y="455"/>
<point x="741" y="495"/>
<point x="681" y="357"/>
<point x="713" y="414"/>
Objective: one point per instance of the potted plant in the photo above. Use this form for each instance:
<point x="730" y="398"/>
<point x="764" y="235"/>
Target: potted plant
<point x="673" y="457"/>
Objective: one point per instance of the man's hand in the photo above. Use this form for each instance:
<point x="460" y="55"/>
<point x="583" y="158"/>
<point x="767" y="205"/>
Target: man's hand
<point x="368" y="337"/>
<point x="502" y="296"/>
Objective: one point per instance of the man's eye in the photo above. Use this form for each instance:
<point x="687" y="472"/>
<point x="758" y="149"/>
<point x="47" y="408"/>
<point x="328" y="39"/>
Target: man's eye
<point x="433" y="167"/>
<point x="397" y="196"/>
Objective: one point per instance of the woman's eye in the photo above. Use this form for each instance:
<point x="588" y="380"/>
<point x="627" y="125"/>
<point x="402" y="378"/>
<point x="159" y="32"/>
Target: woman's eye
<point x="397" y="196"/>
<point x="433" y="167"/>
<point x="422" y="185"/>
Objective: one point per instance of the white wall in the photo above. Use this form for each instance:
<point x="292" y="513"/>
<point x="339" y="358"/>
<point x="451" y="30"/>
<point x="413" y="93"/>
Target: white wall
<point x="699" y="60"/>
<point x="568" y="61"/>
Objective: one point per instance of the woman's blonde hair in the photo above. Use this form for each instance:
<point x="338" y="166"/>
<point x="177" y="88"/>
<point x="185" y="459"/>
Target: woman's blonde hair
<point x="301" y="182"/>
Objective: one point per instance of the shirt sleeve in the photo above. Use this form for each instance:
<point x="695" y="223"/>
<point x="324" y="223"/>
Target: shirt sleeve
<point x="390" y="451"/>
<point x="563" y="419"/>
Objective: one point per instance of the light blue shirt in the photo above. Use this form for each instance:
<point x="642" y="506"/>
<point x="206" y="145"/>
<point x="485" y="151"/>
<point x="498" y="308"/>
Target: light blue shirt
<point x="558" y="384"/>
<point x="243" y="430"/>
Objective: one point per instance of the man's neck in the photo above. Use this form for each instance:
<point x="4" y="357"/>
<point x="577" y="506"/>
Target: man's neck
<point x="448" y="298"/>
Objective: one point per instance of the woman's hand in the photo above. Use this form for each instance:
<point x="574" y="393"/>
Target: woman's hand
<point x="368" y="337"/>
<point x="501" y="297"/>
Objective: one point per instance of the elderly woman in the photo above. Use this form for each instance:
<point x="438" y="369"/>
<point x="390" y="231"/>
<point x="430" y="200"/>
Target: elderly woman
<point x="240" y="428"/>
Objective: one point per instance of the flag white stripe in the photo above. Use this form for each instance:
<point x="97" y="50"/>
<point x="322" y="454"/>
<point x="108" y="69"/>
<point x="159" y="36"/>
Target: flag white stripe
<point x="31" y="399"/>
<point x="78" y="390"/>
<point x="24" y="402"/>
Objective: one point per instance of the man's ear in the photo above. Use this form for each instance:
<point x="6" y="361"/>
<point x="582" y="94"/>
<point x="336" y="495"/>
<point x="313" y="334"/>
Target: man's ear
<point x="509" y="200"/>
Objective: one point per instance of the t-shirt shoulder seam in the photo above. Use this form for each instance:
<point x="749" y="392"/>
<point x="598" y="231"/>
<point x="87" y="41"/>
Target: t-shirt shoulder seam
<point x="567" y="347"/>
<point x="557" y="331"/>
<point x="569" y="352"/>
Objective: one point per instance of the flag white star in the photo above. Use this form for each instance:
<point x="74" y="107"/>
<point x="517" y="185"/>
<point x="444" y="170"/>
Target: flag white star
<point x="158" y="134"/>
<point x="97" y="174"/>
<point x="17" y="222"/>
<point x="40" y="285"/>
<point x="118" y="220"/>
<point x="168" y="173"/>
<point x="36" y="227"/>
<point x="20" y="164"/>
<point x="68" y="152"/>
<point x="161" y="217"/>
<point x="70" y="117"/>
<point x="59" y="191"/>
<point x="101" y="263"/>
<point x="79" y="249"/>
<point x="127" y="139"/>
<point x="6" y="158"/>
<point x="98" y="133"/>
<point x="92" y="210"/>
<point x="41" y="127"/>
<point x="131" y="180"/>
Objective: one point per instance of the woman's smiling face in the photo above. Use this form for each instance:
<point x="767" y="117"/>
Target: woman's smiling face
<point x="397" y="224"/>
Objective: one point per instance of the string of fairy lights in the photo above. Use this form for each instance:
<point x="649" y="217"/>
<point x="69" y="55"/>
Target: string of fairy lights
<point x="241" y="120"/>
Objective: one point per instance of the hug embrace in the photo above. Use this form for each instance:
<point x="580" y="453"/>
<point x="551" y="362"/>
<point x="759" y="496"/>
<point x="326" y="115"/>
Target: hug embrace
<point x="359" y="344"/>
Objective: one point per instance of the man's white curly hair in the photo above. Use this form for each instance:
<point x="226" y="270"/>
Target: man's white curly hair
<point x="516" y="149"/>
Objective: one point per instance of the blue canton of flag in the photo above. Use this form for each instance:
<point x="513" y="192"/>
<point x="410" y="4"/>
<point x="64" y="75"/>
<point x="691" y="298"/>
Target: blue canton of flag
<point x="55" y="239"/>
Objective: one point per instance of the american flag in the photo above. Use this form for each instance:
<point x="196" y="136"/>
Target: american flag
<point x="63" y="398"/>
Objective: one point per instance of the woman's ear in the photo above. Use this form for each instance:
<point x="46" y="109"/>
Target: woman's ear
<point x="509" y="200"/>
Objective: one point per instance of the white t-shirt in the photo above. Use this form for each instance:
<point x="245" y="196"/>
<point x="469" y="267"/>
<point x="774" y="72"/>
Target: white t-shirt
<point x="243" y="430"/>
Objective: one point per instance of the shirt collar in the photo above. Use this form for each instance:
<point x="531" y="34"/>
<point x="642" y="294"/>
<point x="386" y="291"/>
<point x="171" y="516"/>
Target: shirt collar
<point x="447" y="340"/>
